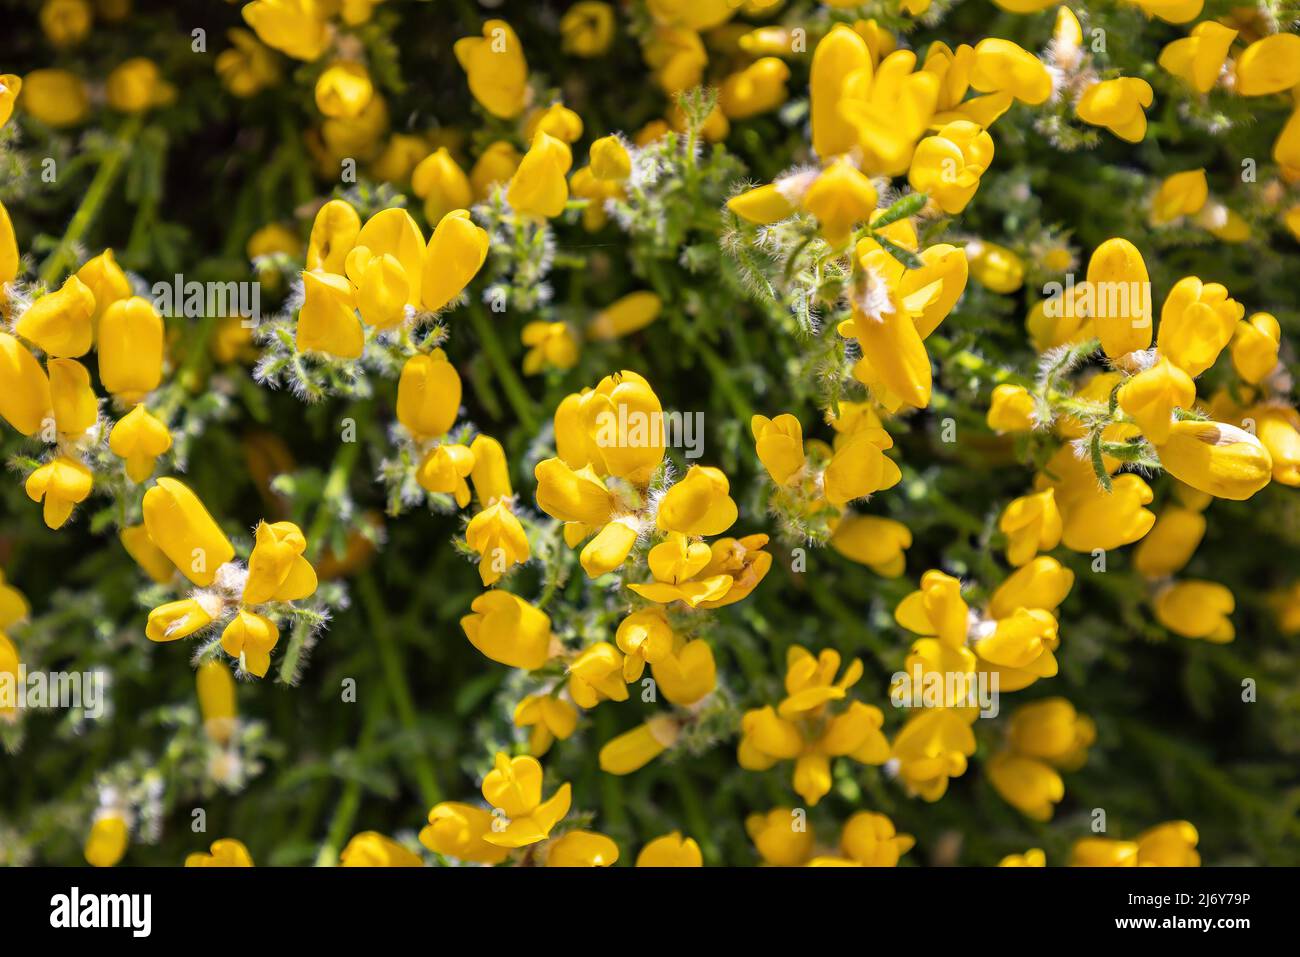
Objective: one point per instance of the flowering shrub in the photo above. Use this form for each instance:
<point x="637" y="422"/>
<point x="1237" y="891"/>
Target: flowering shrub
<point x="669" y="432"/>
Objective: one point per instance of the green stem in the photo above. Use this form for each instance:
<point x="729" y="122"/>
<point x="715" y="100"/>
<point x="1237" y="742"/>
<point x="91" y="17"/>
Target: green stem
<point x="350" y="801"/>
<point x="96" y="194"/>
<point x="512" y="385"/>
<point x="395" y="674"/>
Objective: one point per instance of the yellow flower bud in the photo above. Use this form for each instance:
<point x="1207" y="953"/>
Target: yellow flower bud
<point x="557" y="120"/>
<point x="455" y="253"/>
<point x="1031" y="787"/>
<point x="761" y="206"/>
<point x="428" y="395"/>
<point x="1117" y="105"/>
<point x="247" y="67"/>
<point x="59" y="323"/>
<point x="25" y="398"/>
<point x="1171" y="11"/>
<point x="610" y="159"/>
<point x="996" y="268"/>
<point x="1213" y="457"/>
<point x="1053" y="731"/>
<point x="948" y="165"/>
<point x="61" y="483"/>
<point x="298" y="28"/>
<point x="106" y="844"/>
<point x="496" y="164"/>
<point x="457" y="830"/>
<point x="137" y="86"/>
<point x="587" y="29"/>
<point x="1255" y="345"/>
<point x="1172" y="844"/>
<point x="1102" y="851"/>
<point x="496" y="69"/>
<point x="135" y="539"/>
<point x="1032" y="524"/>
<point x="779" y="841"/>
<point x="699" y="504"/>
<point x="758" y="88"/>
<point x="596" y="675"/>
<point x="671" y="850"/>
<point x="57" y="98"/>
<point x="343" y="89"/>
<point x="372" y="849"/>
<point x="277" y="569"/>
<point x="226" y="852"/>
<point x="1012" y="409"/>
<point x="549" y="717"/>
<point x="491" y="474"/>
<point x="539" y="187"/>
<point x="779" y="444"/>
<point x="75" y="406"/>
<point x="870" y="839"/>
<point x="625" y="316"/>
<point x="688" y="675"/>
<point x="498" y="537"/>
<point x="1122" y="298"/>
<point x="1278" y="429"/>
<point x="1042" y="583"/>
<point x="130" y="348"/>
<point x="551" y="345"/>
<point x="860" y="467"/>
<point x="840" y="198"/>
<point x="327" y="321"/>
<point x="876" y="542"/>
<point x="444" y="471"/>
<point x="1170" y="544"/>
<point x="1196" y="322"/>
<point x="139" y="438"/>
<point x="66" y="23"/>
<point x="508" y="630"/>
<point x="514" y="788"/>
<point x="839" y="54"/>
<point x="250" y="637"/>
<point x="644" y="637"/>
<point x="333" y="234"/>
<point x="179" y="525"/>
<point x="106" y="282"/>
<point x="1269" y="65"/>
<point x="1197" y="609"/>
<point x="442" y="184"/>
<point x="1198" y="58"/>
<point x="636" y="748"/>
<point x="1152" y="395"/>
<point x="1182" y="194"/>
<point x="1001" y="66"/>
<point x="217" y="705"/>
<point x="177" y="619"/>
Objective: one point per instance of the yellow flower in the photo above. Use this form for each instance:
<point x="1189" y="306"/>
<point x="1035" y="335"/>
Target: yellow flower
<point x="549" y="717"/>
<point x="372" y="849"/>
<point x="936" y="609"/>
<point x="498" y="537"/>
<point x="677" y="57"/>
<point x="1103" y="851"/>
<point x="1220" y="459"/>
<point x="1152" y="395"/>
<point x="66" y="23"/>
<point x="177" y="619"/>
<point x="1196" y="322"/>
<point x="1182" y="194"/>
<point x="616" y="428"/>
<point x="442" y="184"/>
<point x="997" y="268"/>
<point x="1255" y="345"/>
<point x="75" y="407"/>
<point x="1012" y="409"/>
<point x="762" y="205"/>
<point x="9" y="665"/>
<point x="1097" y="519"/>
<point x="135" y="539"/>
<point x="514" y="787"/>
<point x="635" y="749"/>
<point x="581" y="849"/>
<point x="139" y="438"/>
<point x="870" y="840"/>
<point x="948" y="165"/>
<point x="25" y="400"/>
<point x="1171" y="11"/>
<point x="740" y="559"/>
<point x="1042" y="583"/>
<point x="508" y="630"/>
<point x="59" y="323"/>
<point x="610" y="159"/>
<point x="1117" y="105"/>
<point x="688" y="675"/>
<point x="699" y="504"/>
<point x="1052" y="731"/>
<point x="10" y="87"/>
<point x="671" y="850"/>
<point x="459" y="831"/>
<point x="496" y="164"/>
<point x="860" y="467"/>
<point x="1172" y="844"/>
<point x="62" y="483"/>
<point x="783" y="838"/>
<point x="491" y="473"/>
<point x="249" y="638"/>
<point x="107" y="283"/>
<point x="343" y="89"/>
<point x="1269" y="65"/>
<point x="1278" y="429"/>
<point x="779" y="444"/>
<point x="1122" y="298"/>
<point x="277" y="568"/>
<point x="1032" y="524"/>
<point x="596" y="675"/>
<point x="428" y="395"/>
<point x="953" y="68"/>
<point x="298" y="28"/>
<point x="136" y="86"/>
<point x="1197" y="609"/>
<point x="551" y="345"/>
<point x="1198" y="59"/>
<point x="390" y="232"/>
<point x="1031" y="787"/>
<point x="840" y="197"/>
<point x="333" y="234"/>
<point x="328" y="321"/>
<point x="1171" y="542"/>
<point x="496" y="69"/>
<point x="701" y="15"/>
<point x="890" y="107"/>
<point x="106" y="843"/>
<point x="247" y="67"/>
<point x="557" y="120"/>
<point x="758" y="88"/>
<point x="217" y="705"/>
<point x="226" y="852"/>
<point x="1001" y="66"/>
<point x="587" y="28"/>
<point x="1020" y="649"/>
<point x="644" y="637"/>
<point x="57" y="98"/>
<point x="876" y="542"/>
<point x="625" y="316"/>
<point x="932" y="748"/>
<point x="130" y="348"/>
<point x="444" y="471"/>
<point x="454" y="256"/>
<point x="538" y="187"/>
<point x="1034" y="857"/>
<point x="178" y="524"/>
